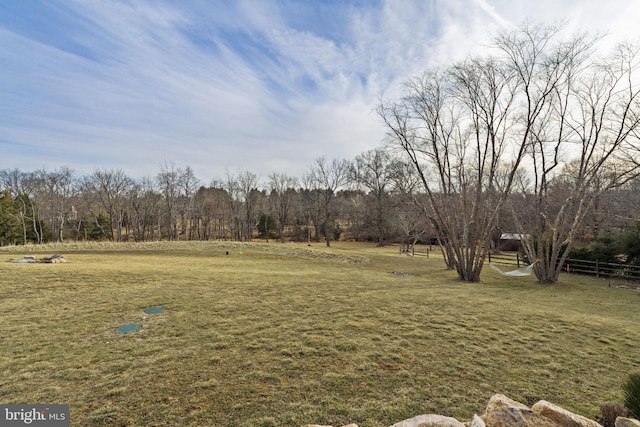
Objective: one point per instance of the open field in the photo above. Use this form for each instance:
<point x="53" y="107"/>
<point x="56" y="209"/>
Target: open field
<point x="285" y="335"/>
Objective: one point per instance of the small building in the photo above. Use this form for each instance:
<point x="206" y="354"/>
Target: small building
<point x="511" y="241"/>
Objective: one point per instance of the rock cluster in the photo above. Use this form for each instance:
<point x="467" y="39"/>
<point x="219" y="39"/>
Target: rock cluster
<point x="53" y="259"/>
<point x="504" y="412"/>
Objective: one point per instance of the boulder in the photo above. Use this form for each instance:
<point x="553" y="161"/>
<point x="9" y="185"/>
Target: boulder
<point x="562" y="416"/>
<point x="429" y="420"/>
<point x="627" y="422"/>
<point x="500" y="401"/>
<point x="504" y="412"/>
<point x="477" y="421"/>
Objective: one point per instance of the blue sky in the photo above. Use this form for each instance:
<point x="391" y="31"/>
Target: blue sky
<point x="261" y="85"/>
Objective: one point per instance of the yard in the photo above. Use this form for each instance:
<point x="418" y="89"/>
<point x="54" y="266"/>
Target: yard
<point x="285" y="335"/>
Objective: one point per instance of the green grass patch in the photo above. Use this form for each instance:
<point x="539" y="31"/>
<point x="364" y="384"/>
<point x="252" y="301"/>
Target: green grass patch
<point x="286" y="335"/>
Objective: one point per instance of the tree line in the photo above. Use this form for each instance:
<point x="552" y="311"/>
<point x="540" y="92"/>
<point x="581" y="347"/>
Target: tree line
<point x="372" y="198"/>
<point x="539" y="138"/>
<point x="358" y="200"/>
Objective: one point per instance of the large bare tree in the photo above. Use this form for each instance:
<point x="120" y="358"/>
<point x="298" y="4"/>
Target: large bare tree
<point x="585" y="144"/>
<point x="470" y="128"/>
<point x="451" y="126"/>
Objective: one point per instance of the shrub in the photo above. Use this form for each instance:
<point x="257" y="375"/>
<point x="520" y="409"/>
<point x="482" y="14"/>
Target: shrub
<point x="631" y="243"/>
<point x="632" y="393"/>
<point x="612" y="410"/>
<point x="605" y="249"/>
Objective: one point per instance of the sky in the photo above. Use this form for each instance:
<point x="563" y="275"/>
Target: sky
<point x="222" y="86"/>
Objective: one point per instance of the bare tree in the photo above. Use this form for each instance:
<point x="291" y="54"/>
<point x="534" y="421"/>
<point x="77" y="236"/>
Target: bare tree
<point x="177" y="187"/>
<point x="188" y="184"/>
<point x="586" y="145"/>
<point x="232" y="186"/>
<point x="355" y="209"/>
<point x="282" y="196"/>
<point x="467" y="130"/>
<point x="56" y="188"/>
<point x="327" y="178"/>
<point x="169" y="185"/>
<point x="42" y="196"/>
<point x="309" y="207"/>
<point x="23" y="185"/>
<point x="374" y="171"/>
<point x="143" y="207"/>
<point x="451" y="128"/>
<point x="110" y="188"/>
<point x="248" y="193"/>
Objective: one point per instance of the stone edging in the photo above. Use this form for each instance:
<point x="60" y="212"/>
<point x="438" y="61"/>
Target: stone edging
<point x="504" y="412"/>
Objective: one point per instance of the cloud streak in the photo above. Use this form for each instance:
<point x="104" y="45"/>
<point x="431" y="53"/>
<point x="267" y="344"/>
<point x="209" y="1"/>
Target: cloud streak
<point x="262" y="86"/>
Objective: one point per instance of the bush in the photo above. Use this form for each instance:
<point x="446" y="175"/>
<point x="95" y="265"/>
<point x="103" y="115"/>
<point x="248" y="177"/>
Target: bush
<point x="631" y="243"/>
<point x="606" y="249"/>
<point x="632" y="393"/>
<point x="612" y="410"/>
<point x="267" y="224"/>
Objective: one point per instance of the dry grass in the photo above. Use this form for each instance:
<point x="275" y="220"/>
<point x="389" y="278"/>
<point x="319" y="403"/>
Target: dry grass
<point x="274" y="335"/>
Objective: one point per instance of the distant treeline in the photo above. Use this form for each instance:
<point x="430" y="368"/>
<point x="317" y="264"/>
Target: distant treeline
<point x="369" y="199"/>
<point x="330" y="202"/>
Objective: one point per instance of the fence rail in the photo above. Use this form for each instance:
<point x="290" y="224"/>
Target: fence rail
<point x="612" y="271"/>
<point x="604" y="269"/>
<point x="503" y="258"/>
<point x="414" y="250"/>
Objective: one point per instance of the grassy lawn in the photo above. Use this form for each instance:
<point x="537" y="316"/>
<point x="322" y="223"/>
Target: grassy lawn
<point x="285" y="335"/>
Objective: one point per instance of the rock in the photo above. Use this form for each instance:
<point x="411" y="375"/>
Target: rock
<point x="627" y="422"/>
<point x="477" y="421"/>
<point x="429" y="420"/>
<point x="562" y="416"/>
<point x="504" y="412"/>
<point x="318" y="425"/>
<point x="500" y="401"/>
<point x="57" y="258"/>
<point x="53" y="259"/>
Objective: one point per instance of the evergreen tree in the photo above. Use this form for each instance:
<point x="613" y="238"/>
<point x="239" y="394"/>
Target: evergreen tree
<point x="10" y="230"/>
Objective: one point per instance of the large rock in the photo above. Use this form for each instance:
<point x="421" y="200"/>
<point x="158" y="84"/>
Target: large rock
<point x="500" y="401"/>
<point x="627" y="422"/>
<point x="504" y="412"/>
<point x="562" y="416"/>
<point x="429" y="421"/>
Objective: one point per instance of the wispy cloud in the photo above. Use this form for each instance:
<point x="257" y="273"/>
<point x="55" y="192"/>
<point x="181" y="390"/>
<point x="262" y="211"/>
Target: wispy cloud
<point x="263" y="86"/>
